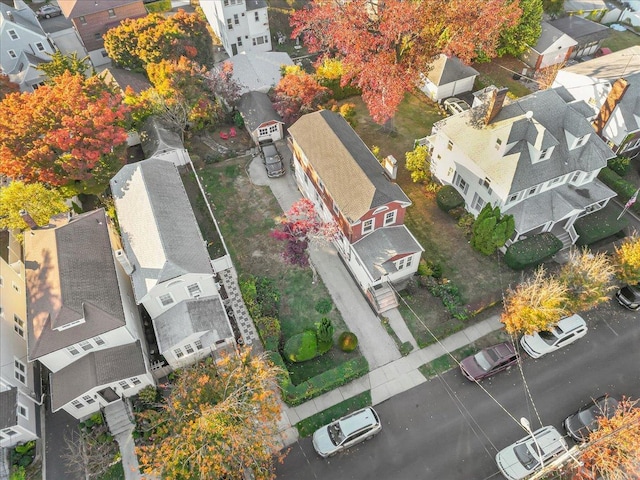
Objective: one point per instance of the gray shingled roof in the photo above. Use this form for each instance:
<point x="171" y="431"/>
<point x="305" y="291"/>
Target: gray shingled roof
<point x="351" y="174"/>
<point x="256" y="109"/>
<point x="8" y="408"/>
<point x="202" y="315"/>
<point x="24" y="17"/>
<point x="125" y="78"/>
<point x="78" y="8"/>
<point x="630" y="104"/>
<point x="157" y="137"/>
<point x="609" y="67"/>
<point x="160" y="233"/>
<point x="96" y="369"/>
<point x="548" y="37"/>
<point x="581" y="29"/>
<point x="70" y="275"/>
<point x="377" y="249"/>
<point x="255" y="4"/>
<point x="449" y="69"/>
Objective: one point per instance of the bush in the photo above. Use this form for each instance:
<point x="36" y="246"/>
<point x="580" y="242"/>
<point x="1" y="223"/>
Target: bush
<point x="348" y="341"/>
<point x="301" y="347"/>
<point x="250" y="296"/>
<point x="148" y="395"/>
<point x="620" y="165"/>
<point x="238" y="120"/>
<point x="158" y="6"/>
<point x="324" y="335"/>
<point x="532" y="251"/>
<point x="324" y="306"/>
<point x="23" y="455"/>
<point x="424" y="269"/>
<point x="269" y="331"/>
<point x="624" y="189"/>
<point x="267" y="296"/>
<point x="448" y="198"/>
<point x="598" y="225"/>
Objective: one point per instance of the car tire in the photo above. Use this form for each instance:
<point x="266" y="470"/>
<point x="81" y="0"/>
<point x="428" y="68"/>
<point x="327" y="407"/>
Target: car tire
<point x="47" y="16"/>
<point x="333" y="454"/>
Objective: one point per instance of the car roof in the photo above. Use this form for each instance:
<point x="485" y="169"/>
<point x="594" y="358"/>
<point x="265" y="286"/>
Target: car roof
<point x="571" y="323"/>
<point x="357" y="420"/>
<point x="546" y="437"/>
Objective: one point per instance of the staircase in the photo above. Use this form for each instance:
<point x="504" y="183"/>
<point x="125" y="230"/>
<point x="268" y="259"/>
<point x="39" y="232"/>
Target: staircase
<point x="382" y="297"/>
<point x="118" y="419"/>
<point x="565" y="238"/>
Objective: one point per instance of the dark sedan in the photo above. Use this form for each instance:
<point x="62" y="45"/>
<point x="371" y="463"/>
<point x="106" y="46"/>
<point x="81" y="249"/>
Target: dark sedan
<point x="629" y="297"/>
<point x="580" y="424"/>
<point x="489" y="361"/>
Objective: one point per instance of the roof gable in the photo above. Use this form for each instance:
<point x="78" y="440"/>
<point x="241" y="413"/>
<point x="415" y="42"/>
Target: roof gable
<point x="445" y="70"/>
<point x="551" y="39"/>
<point x="256" y="108"/>
<point x="78" y="8"/>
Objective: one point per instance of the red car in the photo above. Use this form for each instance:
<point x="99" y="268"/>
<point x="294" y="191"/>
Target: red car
<point x="489" y="361"/>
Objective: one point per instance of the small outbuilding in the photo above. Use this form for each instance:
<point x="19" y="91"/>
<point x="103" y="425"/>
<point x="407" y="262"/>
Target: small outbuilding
<point x="448" y="77"/>
<point x="553" y="47"/>
<point x="260" y="118"/>
<point x="160" y="141"/>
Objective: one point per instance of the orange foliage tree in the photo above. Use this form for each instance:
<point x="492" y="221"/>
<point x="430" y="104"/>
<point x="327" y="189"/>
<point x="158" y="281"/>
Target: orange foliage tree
<point x="7" y="86"/>
<point x="297" y="93"/>
<point x="70" y="133"/>
<point x="219" y="421"/>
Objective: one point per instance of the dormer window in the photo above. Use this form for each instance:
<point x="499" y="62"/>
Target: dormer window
<point x="498" y="143"/>
<point x="13" y="34"/>
<point x="111" y="12"/>
<point x="367" y="226"/>
<point x="532" y="191"/>
<point x="546" y="153"/>
<point x="582" y="140"/>
<point x="512" y="198"/>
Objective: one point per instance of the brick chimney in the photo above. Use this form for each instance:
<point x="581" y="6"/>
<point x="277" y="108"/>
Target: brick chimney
<point x="613" y="99"/>
<point x="28" y="219"/>
<point x="496" y="100"/>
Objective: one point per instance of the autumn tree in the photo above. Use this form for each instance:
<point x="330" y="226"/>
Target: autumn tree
<point x="298" y="227"/>
<point x="385" y="46"/>
<point x="535" y="304"/>
<point x="627" y="259"/>
<point x="587" y="277"/>
<point x="297" y="93"/>
<point x="7" y="86"/>
<point x="90" y="453"/>
<point x="219" y="421"/>
<point x="515" y="40"/>
<point x="417" y="162"/>
<point x="554" y="8"/>
<point x="491" y="230"/>
<point x="613" y="449"/>
<point x="33" y="198"/>
<point x="68" y="134"/>
<point x="61" y="63"/>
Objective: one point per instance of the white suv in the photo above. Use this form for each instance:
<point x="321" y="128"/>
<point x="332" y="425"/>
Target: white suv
<point x="346" y="431"/>
<point x="567" y="331"/>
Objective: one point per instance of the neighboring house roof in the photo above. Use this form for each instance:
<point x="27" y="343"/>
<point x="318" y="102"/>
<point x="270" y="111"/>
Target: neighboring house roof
<point x="78" y="8"/>
<point x="258" y="71"/>
<point x="581" y="29"/>
<point x="378" y="249"/>
<point x="23" y="17"/>
<point x="255" y="4"/>
<point x="584" y="5"/>
<point x="549" y="37"/>
<point x="8" y="407"/>
<point x="629" y="106"/>
<point x="25" y="70"/>
<point x="125" y="78"/>
<point x="192" y="317"/>
<point x="157" y="137"/>
<point x="98" y="368"/>
<point x="609" y="67"/>
<point x="70" y="275"/>
<point x="256" y="109"/>
<point x="352" y="175"/>
<point x="540" y="119"/>
<point x="160" y="232"/>
<point x="446" y="70"/>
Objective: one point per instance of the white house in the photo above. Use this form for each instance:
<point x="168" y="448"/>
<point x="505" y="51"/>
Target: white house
<point x="260" y="118"/>
<point x="448" y="77"/>
<point x="82" y="321"/>
<point x="168" y="262"/>
<point x="258" y="71"/>
<point x="23" y="45"/>
<point x="536" y="158"/>
<point x="241" y="25"/>
<point x="553" y="47"/>
<point x="19" y="385"/>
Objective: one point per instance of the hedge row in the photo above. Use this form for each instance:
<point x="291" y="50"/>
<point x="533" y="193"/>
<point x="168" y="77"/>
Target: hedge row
<point x="598" y="225"/>
<point x="448" y="198"/>
<point x="624" y="189"/>
<point x="532" y="251"/>
<point x="295" y="395"/>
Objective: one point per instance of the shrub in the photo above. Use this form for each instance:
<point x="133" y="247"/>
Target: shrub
<point x="267" y="296"/>
<point x="348" y="341"/>
<point x="598" y="225"/>
<point x="269" y="331"/>
<point x="301" y="347"/>
<point x="448" y="198"/>
<point x="23" y="455"/>
<point x="465" y="222"/>
<point x="148" y="395"/>
<point x="18" y="473"/>
<point x="159" y="6"/>
<point x="324" y="335"/>
<point x="620" y="165"/>
<point x="424" y="269"/>
<point x="532" y="251"/>
<point x="324" y="306"/>
<point x="250" y="296"/>
<point x="624" y="189"/>
<point x="450" y="296"/>
<point x="238" y="120"/>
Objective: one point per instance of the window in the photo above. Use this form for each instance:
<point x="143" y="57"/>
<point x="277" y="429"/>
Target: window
<point x="498" y="143"/>
<point x="8" y="433"/>
<point x="83" y="20"/>
<point x="1" y="282"/>
<point x="274" y="128"/>
<point x="165" y="299"/>
<point x="582" y="140"/>
<point x="556" y="180"/>
<point x="390" y="218"/>
<point x="13" y="34"/>
<point x="533" y="191"/>
<point x="263" y="130"/>
<point x="189" y="349"/>
<point x="194" y="290"/>
<point x="40" y="46"/>
<point x="486" y="183"/>
<point x="226" y="3"/>
<point x="478" y="202"/>
<point x="575" y="177"/>
<point x="97" y="35"/>
<point x="230" y="23"/>
<point x="546" y="153"/>
<point x="73" y="350"/>
<point x="239" y="41"/>
<point x="450" y="145"/>
<point x="77" y="403"/>
<point x="178" y="352"/>
<point x="18" y="325"/>
<point x="22" y="411"/>
<point x="104" y="53"/>
<point x="85" y="345"/>
<point x="198" y="344"/>
<point x="404" y="263"/>
<point x="368" y="225"/>
<point x="136" y="381"/>
<point x="513" y="198"/>
<point x="12" y="54"/>
<point x="124" y="384"/>
<point x="15" y="286"/>
<point x="112" y="13"/>
<point x="99" y="341"/>
<point x="89" y="399"/>
<point x="19" y="371"/>
<point x="236" y="20"/>
<point x="460" y="183"/>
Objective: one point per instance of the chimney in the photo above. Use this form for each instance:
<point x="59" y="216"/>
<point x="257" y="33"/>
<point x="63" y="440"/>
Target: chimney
<point x="613" y="99"/>
<point x="390" y="165"/>
<point x="28" y="219"/>
<point x="496" y="100"/>
<point x="124" y="261"/>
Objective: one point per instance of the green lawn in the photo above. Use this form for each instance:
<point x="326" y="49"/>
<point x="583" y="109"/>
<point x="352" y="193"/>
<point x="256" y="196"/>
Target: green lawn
<point x="621" y="40"/>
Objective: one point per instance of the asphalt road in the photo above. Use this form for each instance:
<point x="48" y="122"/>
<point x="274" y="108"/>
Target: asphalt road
<point x="448" y="428"/>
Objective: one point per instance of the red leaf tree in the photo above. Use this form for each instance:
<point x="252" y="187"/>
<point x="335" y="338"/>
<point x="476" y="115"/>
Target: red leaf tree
<point x="384" y="46"/>
<point x="70" y="133"/>
<point x="299" y="226"/>
<point x="298" y="93"/>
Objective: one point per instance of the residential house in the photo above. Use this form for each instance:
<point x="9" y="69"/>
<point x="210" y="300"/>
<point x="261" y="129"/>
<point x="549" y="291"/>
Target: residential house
<point x="260" y="118"/>
<point x="19" y="384"/>
<point x="593" y="9"/>
<point x="168" y="262"/>
<point x="258" y="71"/>
<point x="92" y="19"/>
<point x="347" y="184"/>
<point x="448" y="77"/>
<point x="23" y="46"/>
<point x="537" y="159"/>
<point x="553" y="47"/>
<point x="82" y="321"/>
<point x="588" y="35"/>
<point x="241" y="25"/>
<point x="160" y="140"/>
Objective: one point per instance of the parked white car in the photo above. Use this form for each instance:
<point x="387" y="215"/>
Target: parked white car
<point x="524" y="457"/>
<point x="347" y="431"/>
<point x="567" y="331"/>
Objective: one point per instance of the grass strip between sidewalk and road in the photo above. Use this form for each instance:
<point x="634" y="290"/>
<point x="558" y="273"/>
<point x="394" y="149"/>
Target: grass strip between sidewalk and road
<point x="309" y="425"/>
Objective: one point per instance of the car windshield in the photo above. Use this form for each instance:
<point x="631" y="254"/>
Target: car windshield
<point x="588" y="417"/>
<point x="335" y="433"/>
<point x="485" y="359"/>
<point x="548" y="337"/>
<point x="526" y="456"/>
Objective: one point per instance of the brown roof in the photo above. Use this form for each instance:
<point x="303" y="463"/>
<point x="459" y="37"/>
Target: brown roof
<point x="79" y="8"/>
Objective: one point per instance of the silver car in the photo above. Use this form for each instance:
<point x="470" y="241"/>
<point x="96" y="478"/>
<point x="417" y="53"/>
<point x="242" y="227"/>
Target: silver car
<point x="523" y="458"/>
<point x="347" y="431"/>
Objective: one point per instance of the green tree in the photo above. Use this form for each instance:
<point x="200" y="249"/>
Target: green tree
<point x="33" y="198"/>
<point x="515" y="40"/>
<point x="491" y="230"/>
<point x="324" y="333"/>
<point x="555" y="8"/>
<point x="417" y="162"/>
<point x="61" y="63"/>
